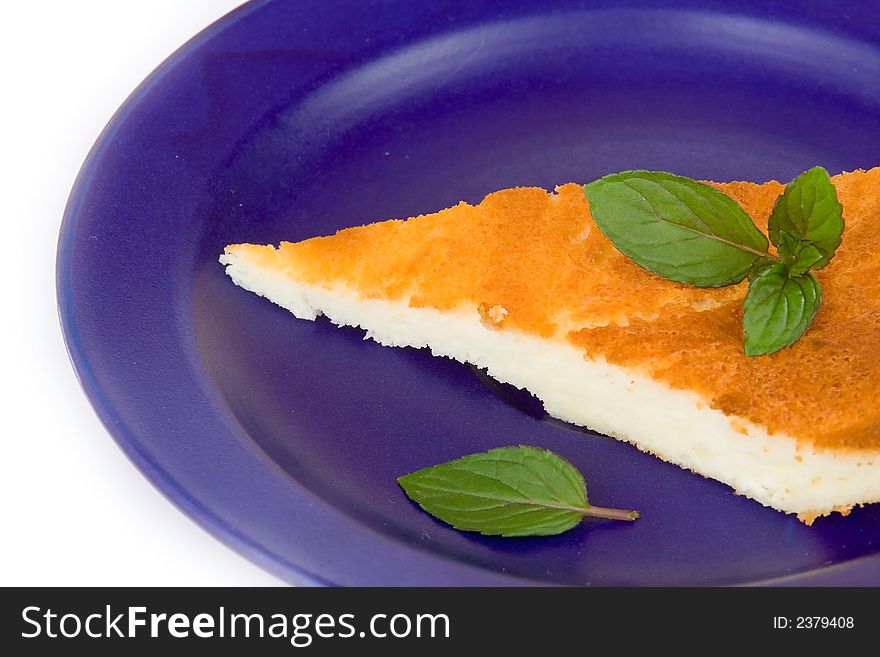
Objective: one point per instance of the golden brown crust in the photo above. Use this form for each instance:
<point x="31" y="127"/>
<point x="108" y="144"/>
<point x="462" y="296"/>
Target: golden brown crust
<point x="541" y="260"/>
<point x="809" y="517"/>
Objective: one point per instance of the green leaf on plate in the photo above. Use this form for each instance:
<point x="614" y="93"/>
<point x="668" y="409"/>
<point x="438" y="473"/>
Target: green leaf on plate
<point x="509" y="491"/>
<point x="676" y="227"/>
<point x="778" y="309"/>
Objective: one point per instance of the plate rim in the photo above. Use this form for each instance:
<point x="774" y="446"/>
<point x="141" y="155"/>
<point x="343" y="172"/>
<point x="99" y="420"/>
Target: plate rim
<point x="109" y="418"/>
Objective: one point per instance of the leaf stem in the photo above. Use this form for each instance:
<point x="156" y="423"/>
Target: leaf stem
<point x="613" y="514"/>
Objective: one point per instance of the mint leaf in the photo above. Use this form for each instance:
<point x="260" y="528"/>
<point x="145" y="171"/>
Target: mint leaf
<point x="676" y="227"/>
<point x="806" y="224"/>
<point x="778" y="309"/>
<point x="509" y="491"/>
<point x="760" y="265"/>
<point x="807" y="257"/>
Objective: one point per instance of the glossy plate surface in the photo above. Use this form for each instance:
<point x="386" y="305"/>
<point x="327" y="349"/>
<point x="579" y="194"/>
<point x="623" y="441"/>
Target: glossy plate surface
<point x="287" y="120"/>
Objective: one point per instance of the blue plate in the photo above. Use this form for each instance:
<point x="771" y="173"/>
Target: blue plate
<point x="286" y="120"/>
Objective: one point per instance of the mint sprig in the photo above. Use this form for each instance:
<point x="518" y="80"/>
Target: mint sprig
<point x="508" y="491"/>
<point x="778" y="309"/>
<point x="689" y="232"/>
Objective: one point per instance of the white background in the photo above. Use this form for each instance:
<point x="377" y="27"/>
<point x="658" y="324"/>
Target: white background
<point x="74" y="510"/>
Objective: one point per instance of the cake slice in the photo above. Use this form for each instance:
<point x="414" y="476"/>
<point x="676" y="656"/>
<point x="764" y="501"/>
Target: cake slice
<point x="525" y="285"/>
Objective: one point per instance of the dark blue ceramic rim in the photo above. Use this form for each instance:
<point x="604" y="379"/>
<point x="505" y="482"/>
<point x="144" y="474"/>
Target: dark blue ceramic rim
<point x="319" y="558"/>
<point x="422" y="567"/>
